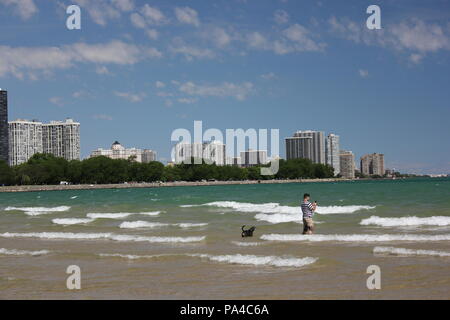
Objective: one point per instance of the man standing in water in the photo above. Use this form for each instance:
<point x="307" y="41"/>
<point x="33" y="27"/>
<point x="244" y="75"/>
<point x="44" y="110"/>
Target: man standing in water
<point x="308" y="210"/>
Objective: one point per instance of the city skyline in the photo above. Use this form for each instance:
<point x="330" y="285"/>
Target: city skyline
<point x="145" y="71"/>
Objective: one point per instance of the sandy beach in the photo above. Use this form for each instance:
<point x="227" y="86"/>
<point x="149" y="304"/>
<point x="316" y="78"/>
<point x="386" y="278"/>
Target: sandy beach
<point x="36" y="188"/>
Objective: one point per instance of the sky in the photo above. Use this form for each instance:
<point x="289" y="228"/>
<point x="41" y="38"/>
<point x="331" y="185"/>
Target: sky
<point x="138" y="70"/>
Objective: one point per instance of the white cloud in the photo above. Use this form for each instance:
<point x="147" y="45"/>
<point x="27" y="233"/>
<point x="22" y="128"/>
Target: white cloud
<point x="296" y="38"/>
<point x="415" y="58"/>
<point x="124" y="5"/>
<point x="102" y="117"/>
<point x="257" y="40"/>
<point x="132" y="97"/>
<point x="268" y="76"/>
<point x="154" y="53"/>
<point x="190" y="52"/>
<point x="152" y="34"/>
<point x="102" y="70"/>
<point x="187" y="15"/>
<point x="414" y="36"/>
<point x="220" y="37"/>
<point x="24" y="8"/>
<point x="153" y="15"/>
<point x="281" y="17"/>
<point x="226" y="89"/>
<point x="302" y="38"/>
<point x="138" y="21"/>
<point x="100" y="11"/>
<point x="363" y="73"/>
<point x="187" y="100"/>
<point x="160" y="84"/>
<point x="16" y="60"/>
<point x="57" y="101"/>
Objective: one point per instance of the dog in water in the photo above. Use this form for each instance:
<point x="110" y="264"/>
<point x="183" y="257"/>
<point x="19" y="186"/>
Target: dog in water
<point x="247" y="233"/>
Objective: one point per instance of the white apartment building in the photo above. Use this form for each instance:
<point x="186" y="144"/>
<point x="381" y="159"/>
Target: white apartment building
<point x="332" y="153"/>
<point x="253" y="157"/>
<point x="347" y="164"/>
<point x="308" y="145"/>
<point x="62" y="139"/>
<point x="25" y="139"/>
<point x="118" y="151"/>
<point x="211" y="152"/>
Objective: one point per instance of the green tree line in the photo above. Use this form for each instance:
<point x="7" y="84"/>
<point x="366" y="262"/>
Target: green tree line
<point x="42" y="169"/>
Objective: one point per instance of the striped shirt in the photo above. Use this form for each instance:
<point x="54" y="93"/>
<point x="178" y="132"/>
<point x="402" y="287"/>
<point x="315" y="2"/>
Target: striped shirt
<point x="307" y="209"/>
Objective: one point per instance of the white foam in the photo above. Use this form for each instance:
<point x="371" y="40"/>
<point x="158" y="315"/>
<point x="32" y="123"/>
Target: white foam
<point x="277" y="208"/>
<point x="259" y="260"/>
<point x="407" y="221"/>
<point x="191" y="225"/>
<point x="246" y="244"/>
<point x="355" y="237"/>
<point x="121" y="215"/>
<point x="279" y="217"/>
<point x="152" y="225"/>
<point x="13" y="252"/>
<point x="72" y="221"/>
<point x="341" y="209"/>
<point x="409" y="252"/>
<point x="134" y="257"/>
<point x="142" y="224"/>
<point x="99" y="236"/>
<point x="36" y="211"/>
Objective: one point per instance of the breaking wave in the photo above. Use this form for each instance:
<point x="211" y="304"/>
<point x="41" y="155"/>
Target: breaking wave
<point x="142" y="224"/>
<point x="355" y="237"/>
<point x="135" y="257"/>
<point x="246" y="244"/>
<point x="13" y="252"/>
<point x="406" y="221"/>
<point x="279" y="209"/>
<point x="72" y="221"/>
<point x="409" y="252"/>
<point x="259" y="260"/>
<point x="152" y="225"/>
<point x="36" y="211"/>
<point x="120" y="215"/>
<point x="99" y="236"/>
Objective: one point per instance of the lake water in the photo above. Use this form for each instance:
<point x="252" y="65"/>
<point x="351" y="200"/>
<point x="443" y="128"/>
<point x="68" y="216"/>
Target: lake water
<point x="185" y="242"/>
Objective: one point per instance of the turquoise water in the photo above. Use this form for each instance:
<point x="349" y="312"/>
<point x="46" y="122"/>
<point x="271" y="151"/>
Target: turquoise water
<point x="184" y="242"/>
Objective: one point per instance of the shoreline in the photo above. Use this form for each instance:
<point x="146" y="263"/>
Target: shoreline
<point x="38" y="188"/>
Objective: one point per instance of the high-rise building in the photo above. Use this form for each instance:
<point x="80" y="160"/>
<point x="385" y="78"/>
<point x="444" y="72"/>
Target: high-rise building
<point x="148" y="156"/>
<point x="62" y="139"/>
<point x="372" y="164"/>
<point x="117" y="151"/>
<point x="215" y="152"/>
<point x="211" y="152"/>
<point x="298" y="148"/>
<point x="253" y="158"/>
<point x="4" y="136"/>
<point x="25" y="139"/>
<point x="301" y="148"/>
<point x="332" y="153"/>
<point x="347" y="164"/>
<point x="233" y="161"/>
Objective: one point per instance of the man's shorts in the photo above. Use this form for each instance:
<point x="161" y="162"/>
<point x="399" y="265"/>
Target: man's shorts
<point x="308" y="225"/>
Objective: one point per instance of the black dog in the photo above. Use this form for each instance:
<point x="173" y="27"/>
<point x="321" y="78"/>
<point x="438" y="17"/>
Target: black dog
<point x="247" y="233"/>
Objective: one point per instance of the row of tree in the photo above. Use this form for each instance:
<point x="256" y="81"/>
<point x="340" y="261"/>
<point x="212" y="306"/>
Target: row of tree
<point x="44" y="169"/>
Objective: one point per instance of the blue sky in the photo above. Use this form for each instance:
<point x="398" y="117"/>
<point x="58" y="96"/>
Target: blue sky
<point x="137" y="70"/>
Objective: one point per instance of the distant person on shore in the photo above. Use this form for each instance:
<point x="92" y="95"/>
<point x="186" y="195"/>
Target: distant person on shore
<point x="308" y="210"/>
